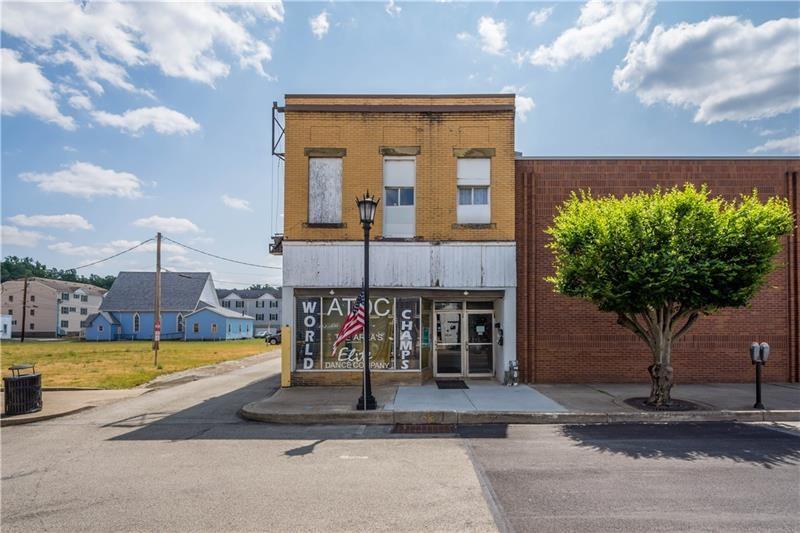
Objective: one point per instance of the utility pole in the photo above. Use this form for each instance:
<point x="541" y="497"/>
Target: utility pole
<point x="24" y="308"/>
<point x="157" y="311"/>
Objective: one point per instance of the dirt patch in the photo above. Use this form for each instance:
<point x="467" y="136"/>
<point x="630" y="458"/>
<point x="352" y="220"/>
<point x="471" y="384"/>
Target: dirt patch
<point x="675" y="405"/>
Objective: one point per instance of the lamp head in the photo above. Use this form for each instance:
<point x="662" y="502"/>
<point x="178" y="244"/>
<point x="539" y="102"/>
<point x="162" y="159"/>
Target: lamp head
<point x="367" y="207"/>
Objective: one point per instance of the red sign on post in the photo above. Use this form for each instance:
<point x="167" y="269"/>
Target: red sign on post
<point x="157" y="326"/>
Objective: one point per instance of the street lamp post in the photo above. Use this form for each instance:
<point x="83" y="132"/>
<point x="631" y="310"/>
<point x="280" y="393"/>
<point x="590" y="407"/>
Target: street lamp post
<point x="367" y="206"/>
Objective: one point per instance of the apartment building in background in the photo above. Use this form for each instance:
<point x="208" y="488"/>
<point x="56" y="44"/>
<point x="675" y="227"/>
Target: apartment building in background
<point x="262" y="304"/>
<point x="54" y="308"/>
<point x="443" y="251"/>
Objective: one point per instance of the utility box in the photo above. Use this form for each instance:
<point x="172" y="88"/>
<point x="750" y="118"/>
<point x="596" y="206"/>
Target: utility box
<point x="23" y="392"/>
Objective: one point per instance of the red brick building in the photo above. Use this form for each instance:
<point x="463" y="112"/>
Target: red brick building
<point x="565" y="340"/>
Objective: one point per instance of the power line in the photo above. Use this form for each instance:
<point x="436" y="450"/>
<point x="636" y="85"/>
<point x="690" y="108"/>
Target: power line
<point x="219" y="256"/>
<point x="112" y="256"/>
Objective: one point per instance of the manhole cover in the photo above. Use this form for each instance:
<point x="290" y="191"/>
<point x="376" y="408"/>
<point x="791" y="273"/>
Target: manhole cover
<point x="426" y="429"/>
<point x="675" y="405"/>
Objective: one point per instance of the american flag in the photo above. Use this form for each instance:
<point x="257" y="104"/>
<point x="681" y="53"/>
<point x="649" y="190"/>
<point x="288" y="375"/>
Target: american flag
<point x="354" y="323"/>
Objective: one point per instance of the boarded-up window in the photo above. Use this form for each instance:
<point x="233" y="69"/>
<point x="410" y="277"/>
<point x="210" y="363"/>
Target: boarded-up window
<point x="473" y="180"/>
<point x="325" y="190"/>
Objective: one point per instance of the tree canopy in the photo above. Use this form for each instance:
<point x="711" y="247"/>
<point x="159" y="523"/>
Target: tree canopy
<point x="645" y="250"/>
<point x="14" y="267"/>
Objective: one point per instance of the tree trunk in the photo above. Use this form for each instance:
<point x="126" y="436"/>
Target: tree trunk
<point x="661" y="385"/>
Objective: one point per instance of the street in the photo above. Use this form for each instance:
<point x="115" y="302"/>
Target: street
<point x="180" y="459"/>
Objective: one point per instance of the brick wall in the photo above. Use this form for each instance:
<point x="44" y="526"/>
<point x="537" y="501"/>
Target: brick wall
<point x="363" y="133"/>
<point x="565" y="340"/>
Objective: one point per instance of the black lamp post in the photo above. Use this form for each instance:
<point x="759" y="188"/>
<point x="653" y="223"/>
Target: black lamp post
<point x="367" y="206"/>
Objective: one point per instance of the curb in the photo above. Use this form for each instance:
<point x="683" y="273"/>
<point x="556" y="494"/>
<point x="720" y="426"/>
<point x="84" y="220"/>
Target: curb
<point x="251" y="412"/>
<point x="13" y="421"/>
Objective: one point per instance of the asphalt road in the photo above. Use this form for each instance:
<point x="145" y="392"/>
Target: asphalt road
<point x="179" y="459"/>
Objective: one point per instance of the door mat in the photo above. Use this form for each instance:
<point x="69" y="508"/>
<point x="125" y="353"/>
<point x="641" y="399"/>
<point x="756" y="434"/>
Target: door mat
<point x="451" y="384"/>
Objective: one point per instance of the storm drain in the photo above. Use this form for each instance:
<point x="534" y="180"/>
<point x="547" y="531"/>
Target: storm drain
<point x="425" y="429"/>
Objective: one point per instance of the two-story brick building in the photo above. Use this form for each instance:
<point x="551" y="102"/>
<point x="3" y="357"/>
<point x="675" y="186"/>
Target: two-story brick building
<point x="443" y="255"/>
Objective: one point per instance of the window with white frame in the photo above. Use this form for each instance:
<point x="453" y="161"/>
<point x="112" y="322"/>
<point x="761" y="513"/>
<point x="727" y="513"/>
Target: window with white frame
<point x="65" y="296"/>
<point x="273" y="316"/>
<point x="473" y="180"/>
<point x="399" y="179"/>
<point x="84" y="298"/>
<point x="273" y="304"/>
<point x="324" y="190"/>
<point x="196" y="327"/>
<point x="136" y="323"/>
<point x="226" y="303"/>
<point x="259" y="316"/>
<point x="84" y="311"/>
<point x="179" y="323"/>
<point x="239" y="304"/>
<point x="213" y="328"/>
<point x="65" y="323"/>
<point x="64" y="310"/>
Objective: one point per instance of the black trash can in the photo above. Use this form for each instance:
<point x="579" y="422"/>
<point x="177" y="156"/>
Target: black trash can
<point x="23" y="392"/>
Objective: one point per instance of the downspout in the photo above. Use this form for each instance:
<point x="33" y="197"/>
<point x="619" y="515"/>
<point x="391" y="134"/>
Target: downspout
<point x="794" y="273"/>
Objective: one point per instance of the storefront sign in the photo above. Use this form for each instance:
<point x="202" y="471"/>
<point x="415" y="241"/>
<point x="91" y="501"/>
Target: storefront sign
<point x="308" y="338"/>
<point x="407" y="334"/>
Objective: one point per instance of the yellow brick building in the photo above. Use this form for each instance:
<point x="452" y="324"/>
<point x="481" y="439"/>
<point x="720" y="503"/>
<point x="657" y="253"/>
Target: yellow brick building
<point x="442" y="255"/>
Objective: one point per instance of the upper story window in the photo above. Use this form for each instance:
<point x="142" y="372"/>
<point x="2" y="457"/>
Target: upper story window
<point x="33" y="297"/>
<point x="76" y="296"/>
<point x="64" y="310"/>
<point x="226" y="303"/>
<point x="399" y="177"/>
<point x="474" y="180"/>
<point x="84" y="298"/>
<point x="273" y="304"/>
<point x="65" y="296"/>
<point x="10" y="297"/>
<point x="239" y="304"/>
<point x="324" y="190"/>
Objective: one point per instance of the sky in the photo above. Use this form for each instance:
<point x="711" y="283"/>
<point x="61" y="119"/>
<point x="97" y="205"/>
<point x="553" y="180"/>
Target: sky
<point x="123" y="119"/>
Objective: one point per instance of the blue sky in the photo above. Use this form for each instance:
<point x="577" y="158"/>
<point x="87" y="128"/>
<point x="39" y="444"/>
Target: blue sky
<point x="122" y="119"/>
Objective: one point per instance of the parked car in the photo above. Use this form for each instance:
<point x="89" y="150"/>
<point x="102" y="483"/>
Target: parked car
<point x="273" y="339"/>
<point x="261" y="334"/>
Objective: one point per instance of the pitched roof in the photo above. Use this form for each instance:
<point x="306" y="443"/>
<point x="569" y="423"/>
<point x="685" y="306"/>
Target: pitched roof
<point x="67" y="286"/>
<point x="248" y="294"/>
<point x="111" y="319"/>
<point x="135" y="291"/>
<point x="227" y="313"/>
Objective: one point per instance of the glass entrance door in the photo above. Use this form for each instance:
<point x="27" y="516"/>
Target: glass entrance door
<point x="480" y="343"/>
<point x="449" y="345"/>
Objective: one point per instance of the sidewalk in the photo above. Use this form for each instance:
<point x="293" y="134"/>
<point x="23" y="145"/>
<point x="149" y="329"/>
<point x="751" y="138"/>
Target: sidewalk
<point x="486" y="402"/>
<point x="57" y="403"/>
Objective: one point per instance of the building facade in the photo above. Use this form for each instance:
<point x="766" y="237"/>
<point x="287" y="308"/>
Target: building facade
<point x="443" y="250"/>
<point x="566" y="340"/>
<point x="264" y="305"/>
<point x="54" y="308"/>
<point x="217" y="324"/>
<point x="127" y="310"/>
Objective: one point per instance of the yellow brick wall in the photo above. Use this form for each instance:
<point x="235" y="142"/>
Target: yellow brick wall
<point x="362" y="134"/>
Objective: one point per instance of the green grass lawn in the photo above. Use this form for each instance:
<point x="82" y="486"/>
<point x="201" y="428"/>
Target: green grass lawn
<point x="119" y="365"/>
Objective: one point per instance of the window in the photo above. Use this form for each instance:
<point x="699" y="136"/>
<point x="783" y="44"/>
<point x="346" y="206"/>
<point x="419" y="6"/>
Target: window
<point x="10" y="311"/>
<point x="399" y="177"/>
<point x="226" y="303"/>
<point x="136" y="323"/>
<point x="84" y="311"/>
<point x="13" y="322"/>
<point x="32" y="326"/>
<point x="33" y="297"/>
<point x="259" y="316"/>
<point x="239" y="304"/>
<point x="72" y="309"/>
<point x="196" y="328"/>
<point x="473" y="180"/>
<point x="229" y="328"/>
<point x="213" y="328"/>
<point x="65" y="323"/>
<point x="240" y="328"/>
<point x="273" y="304"/>
<point x="64" y="296"/>
<point x="33" y="312"/>
<point x="76" y="296"/>
<point x="273" y="316"/>
<point x="259" y="303"/>
<point x="64" y="310"/>
<point x="324" y="190"/>
<point x="10" y="297"/>
<point x="179" y="323"/>
<point x="84" y="298"/>
<point x="100" y="328"/>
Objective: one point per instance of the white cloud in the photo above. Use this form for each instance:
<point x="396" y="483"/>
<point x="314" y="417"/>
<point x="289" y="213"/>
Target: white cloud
<point x="66" y="221"/>
<point x="726" y="68"/>
<point x="319" y="25"/>
<point x="788" y="145"/>
<point x="236" y="203"/>
<point x="161" y="119"/>
<point x="97" y="251"/>
<point x="167" y="224"/>
<point x="522" y="104"/>
<point x="493" y="35"/>
<point x="540" y="16"/>
<point x="87" y="181"/>
<point x="103" y="39"/>
<point x="393" y="9"/>
<point x="68" y="148"/>
<point x="599" y="25"/>
<point x="463" y="36"/>
<point x="26" y="90"/>
<point x="13" y="236"/>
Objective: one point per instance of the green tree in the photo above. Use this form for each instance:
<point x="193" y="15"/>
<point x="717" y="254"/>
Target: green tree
<point x="14" y="267"/>
<point x="660" y="260"/>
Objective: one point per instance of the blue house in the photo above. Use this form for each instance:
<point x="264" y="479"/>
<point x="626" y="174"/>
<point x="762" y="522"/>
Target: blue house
<point x="127" y="309"/>
<point x="218" y="323"/>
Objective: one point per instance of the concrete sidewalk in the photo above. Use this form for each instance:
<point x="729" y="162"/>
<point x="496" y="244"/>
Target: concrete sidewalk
<point x="57" y="403"/>
<point x="486" y="402"/>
